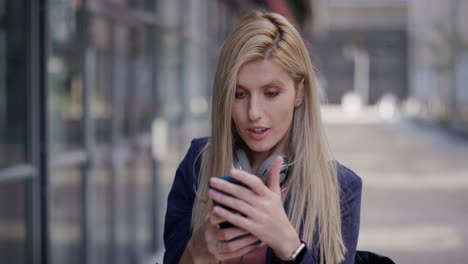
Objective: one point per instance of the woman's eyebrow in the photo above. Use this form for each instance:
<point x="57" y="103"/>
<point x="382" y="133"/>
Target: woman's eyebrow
<point x="274" y="83"/>
<point x="271" y="83"/>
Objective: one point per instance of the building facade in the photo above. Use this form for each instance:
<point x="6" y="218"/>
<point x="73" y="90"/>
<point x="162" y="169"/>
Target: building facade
<point x="95" y="97"/>
<point x="360" y="46"/>
<point x="438" y="41"/>
<point x="81" y="83"/>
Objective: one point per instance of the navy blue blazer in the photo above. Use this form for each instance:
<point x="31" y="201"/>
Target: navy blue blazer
<point x="177" y="231"/>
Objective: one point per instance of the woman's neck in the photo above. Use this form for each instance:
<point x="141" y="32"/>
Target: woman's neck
<point x="256" y="158"/>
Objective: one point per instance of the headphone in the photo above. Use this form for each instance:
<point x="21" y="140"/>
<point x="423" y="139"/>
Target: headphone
<point x="242" y="162"/>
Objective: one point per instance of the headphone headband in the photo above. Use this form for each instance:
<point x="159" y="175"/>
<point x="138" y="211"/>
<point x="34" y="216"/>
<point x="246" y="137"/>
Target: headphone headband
<point x="242" y="162"/>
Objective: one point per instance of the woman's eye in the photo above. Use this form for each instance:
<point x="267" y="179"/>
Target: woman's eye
<point x="239" y="94"/>
<point x="271" y="94"/>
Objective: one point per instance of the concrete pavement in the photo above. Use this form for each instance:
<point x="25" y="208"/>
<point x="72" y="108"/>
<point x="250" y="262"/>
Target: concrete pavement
<point x="415" y="196"/>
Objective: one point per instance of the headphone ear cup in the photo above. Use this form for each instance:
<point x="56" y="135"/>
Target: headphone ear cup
<point x="243" y="162"/>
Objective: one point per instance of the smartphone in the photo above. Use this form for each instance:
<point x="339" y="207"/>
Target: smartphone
<point x="227" y="224"/>
<point x="232" y="180"/>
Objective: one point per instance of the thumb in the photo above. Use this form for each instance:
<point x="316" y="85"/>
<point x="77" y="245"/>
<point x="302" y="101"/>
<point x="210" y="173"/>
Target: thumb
<point x="273" y="175"/>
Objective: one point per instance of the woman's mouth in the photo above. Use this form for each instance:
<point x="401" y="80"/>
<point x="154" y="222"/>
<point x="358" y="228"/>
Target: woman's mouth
<point x="258" y="133"/>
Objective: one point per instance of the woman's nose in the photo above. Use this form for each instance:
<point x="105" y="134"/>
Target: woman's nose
<point x="255" y="109"/>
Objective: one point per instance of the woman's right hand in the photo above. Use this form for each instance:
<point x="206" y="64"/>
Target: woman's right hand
<point x="211" y="244"/>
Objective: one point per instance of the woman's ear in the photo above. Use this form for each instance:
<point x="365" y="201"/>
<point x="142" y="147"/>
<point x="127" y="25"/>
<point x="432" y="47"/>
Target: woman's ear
<point x="300" y="94"/>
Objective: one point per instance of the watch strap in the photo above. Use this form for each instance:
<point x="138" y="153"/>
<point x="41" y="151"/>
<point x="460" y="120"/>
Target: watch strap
<point x="297" y="255"/>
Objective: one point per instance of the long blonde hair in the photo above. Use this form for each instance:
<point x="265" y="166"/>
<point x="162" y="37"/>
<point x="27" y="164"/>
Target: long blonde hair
<point x="314" y="201"/>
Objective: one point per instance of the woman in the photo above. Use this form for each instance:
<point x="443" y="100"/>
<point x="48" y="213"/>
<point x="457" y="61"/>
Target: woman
<point x="265" y="101"/>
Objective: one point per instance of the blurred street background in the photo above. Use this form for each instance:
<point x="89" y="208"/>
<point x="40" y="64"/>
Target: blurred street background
<point x="99" y="100"/>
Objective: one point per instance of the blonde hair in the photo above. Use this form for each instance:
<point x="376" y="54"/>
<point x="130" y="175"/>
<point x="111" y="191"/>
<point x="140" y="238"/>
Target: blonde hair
<point x="314" y="201"/>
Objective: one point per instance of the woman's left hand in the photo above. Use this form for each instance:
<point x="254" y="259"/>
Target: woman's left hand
<point x="262" y="208"/>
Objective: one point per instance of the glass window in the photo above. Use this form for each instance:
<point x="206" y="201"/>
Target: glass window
<point x="12" y="222"/>
<point x="64" y="78"/>
<point x="101" y="215"/>
<point x="144" y="201"/>
<point x="123" y="73"/>
<point x="124" y="205"/>
<point x="13" y="82"/>
<point x="134" y="4"/>
<point x="118" y="2"/>
<point x="101" y="90"/>
<point x="149" y="5"/>
<point x="144" y="79"/>
<point x="66" y="216"/>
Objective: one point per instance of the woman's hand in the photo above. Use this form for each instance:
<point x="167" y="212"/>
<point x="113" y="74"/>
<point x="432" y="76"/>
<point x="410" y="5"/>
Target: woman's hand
<point x="210" y="244"/>
<point x="262" y="207"/>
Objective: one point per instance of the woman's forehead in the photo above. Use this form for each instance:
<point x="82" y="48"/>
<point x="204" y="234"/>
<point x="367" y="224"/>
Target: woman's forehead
<point x="262" y="72"/>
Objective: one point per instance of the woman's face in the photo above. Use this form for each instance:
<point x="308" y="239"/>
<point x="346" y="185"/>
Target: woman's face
<point x="263" y="107"/>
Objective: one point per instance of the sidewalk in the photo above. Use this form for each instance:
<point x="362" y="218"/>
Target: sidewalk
<point x="415" y="176"/>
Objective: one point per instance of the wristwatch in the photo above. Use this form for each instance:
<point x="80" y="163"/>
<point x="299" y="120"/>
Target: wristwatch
<point x="297" y="254"/>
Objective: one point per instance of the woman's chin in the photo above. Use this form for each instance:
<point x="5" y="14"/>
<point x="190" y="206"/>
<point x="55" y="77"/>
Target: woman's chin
<point x="260" y="146"/>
